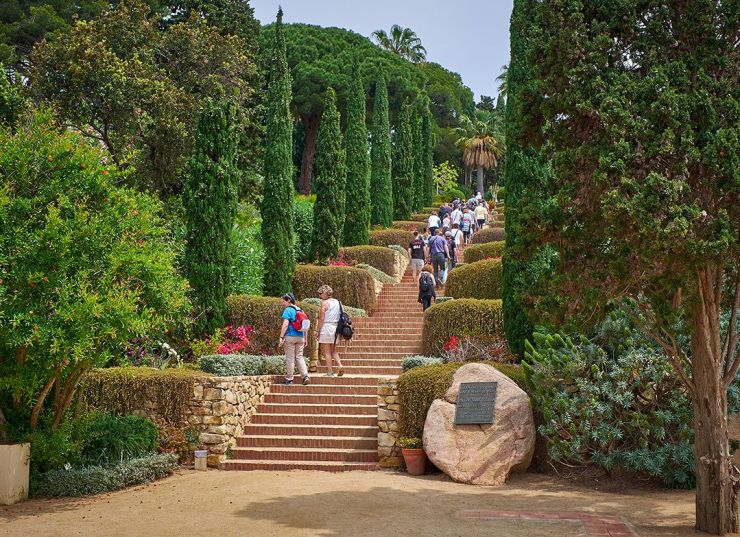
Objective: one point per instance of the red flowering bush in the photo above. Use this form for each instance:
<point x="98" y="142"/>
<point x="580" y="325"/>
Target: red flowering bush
<point x="234" y="339"/>
<point x="476" y="349"/>
<point x="342" y="260"/>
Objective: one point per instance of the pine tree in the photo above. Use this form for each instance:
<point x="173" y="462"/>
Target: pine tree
<point x="210" y="196"/>
<point x="403" y="165"/>
<point x="277" y="202"/>
<point x="381" y="186"/>
<point x="418" y="155"/>
<point x="330" y="180"/>
<point x="357" y="193"/>
<point x="524" y="179"/>
<point x="428" y="156"/>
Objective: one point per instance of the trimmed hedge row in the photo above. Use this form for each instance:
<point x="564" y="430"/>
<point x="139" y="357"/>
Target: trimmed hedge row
<point x="386" y="237"/>
<point x="231" y="365"/>
<point x="481" y="279"/>
<point x="479" y="252"/>
<point x="460" y="317"/>
<point x="419" y="387"/>
<point x="409" y="225"/>
<point x="489" y="234"/>
<point x="421" y="218"/>
<point x="263" y="313"/>
<point x="352" y="312"/>
<point x="352" y="286"/>
<point x="98" y="479"/>
<point x="379" y="275"/>
<point x="380" y="257"/>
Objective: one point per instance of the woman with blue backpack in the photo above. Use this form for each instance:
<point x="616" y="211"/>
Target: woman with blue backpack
<point x="293" y="335"/>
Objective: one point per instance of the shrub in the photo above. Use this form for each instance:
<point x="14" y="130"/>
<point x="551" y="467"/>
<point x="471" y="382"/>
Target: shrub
<point x="352" y="286"/>
<point x="481" y="279"/>
<point x="410" y="362"/>
<point x="109" y="438"/>
<point x="406" y="442"/>
<point x="229" y="365"/>
<point x="612" y="400"/>
<point x="453" y="193"/>
<point x="263" y="314"/>
<point x="352" y="312"/>
<point x="303" y="227"/>
<point x="477" y="349"/>
<point x="401" y="250"/>
<point x="122" y="390"/>
<point x="419" y="387"/>
<point x="420" y="218"/>
<point x="489" y="234"/>
<point x="460" y="317"/>
<point x="479" y="252"/>
<point x="409" y="225"/>
<point x="379" y="275"/>
<point x="441" y="299"/>
<point x="247" y="260"/>
<point x="377" y="256"/>
<point x="98" y="479"/>
<point x="386" y="237"/>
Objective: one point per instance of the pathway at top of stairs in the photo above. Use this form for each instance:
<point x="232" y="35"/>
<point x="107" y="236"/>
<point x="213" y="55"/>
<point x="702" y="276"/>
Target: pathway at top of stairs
<point x="332" y="423"/>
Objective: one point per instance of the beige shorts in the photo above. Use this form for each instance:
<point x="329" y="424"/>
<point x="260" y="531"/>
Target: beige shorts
<point x="328" y="333"/>
<point x="418" y="263"/>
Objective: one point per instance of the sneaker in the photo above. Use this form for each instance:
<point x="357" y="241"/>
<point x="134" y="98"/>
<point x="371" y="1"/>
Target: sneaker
<point x="306" y="380"/>
<point x="340" y="372"/>
<point x="286" y="381"/>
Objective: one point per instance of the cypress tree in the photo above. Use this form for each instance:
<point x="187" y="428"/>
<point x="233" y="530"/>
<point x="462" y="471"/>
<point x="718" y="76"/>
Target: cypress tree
<point x="277" y="202"/>
<point x="330" y="179"/>
<point x="381" y="189"/>
<point x="418" y="177"/>
<point x="356" y="229"/>
<point x="210" y="196"/>
<point x="428" y="155"/>
<point x="403" y="165"/>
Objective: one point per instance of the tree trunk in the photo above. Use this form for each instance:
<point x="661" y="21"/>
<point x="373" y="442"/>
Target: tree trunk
<point x="480" y="179"/>
<point x="715" y="495"/>
<point x="311" y="130"/>
<point x="467" y="179"/>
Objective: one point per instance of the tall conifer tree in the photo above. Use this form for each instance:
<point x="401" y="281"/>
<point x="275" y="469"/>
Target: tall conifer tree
<point x="277" y="202"/>
<point x="330" y="180"/>
<point x="381" y="186"/>
<point x="357" y="193"/>
<point x="418" y="143"/>
<point x="210" y="196"/>
<point x="403" y="165"/>
<point x="428" y="156"/>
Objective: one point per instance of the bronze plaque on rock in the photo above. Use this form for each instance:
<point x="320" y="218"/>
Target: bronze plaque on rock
<point x="475" y="403"/>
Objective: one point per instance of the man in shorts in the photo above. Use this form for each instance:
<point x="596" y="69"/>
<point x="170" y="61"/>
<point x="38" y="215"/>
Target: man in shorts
<point x="417" y="251"/>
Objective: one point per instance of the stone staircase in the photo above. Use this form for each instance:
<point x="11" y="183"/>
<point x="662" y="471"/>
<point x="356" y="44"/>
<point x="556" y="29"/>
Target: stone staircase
<point x="332" y="424"/>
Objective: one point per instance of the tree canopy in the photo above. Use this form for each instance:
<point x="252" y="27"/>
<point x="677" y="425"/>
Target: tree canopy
<point x="403" y="42"/>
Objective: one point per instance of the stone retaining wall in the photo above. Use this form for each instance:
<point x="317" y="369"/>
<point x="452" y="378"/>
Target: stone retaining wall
<point x="389" y="454"/>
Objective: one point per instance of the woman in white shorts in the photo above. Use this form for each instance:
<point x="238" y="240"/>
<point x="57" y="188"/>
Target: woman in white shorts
<point x="326" y="330"/>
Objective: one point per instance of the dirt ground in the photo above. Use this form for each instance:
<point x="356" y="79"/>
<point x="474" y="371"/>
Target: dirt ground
<point x="363" y="504"/>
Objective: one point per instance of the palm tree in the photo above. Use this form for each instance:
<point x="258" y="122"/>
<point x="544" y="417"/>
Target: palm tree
<point x="481" y="142"/>
<point x="402" y="41"/>
<point x="501" y="79"/>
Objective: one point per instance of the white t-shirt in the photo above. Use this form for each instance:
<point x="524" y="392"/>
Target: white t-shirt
<point x="434" y="221"/>
<point x="446" y="222"/>
<point x="456" y="216"/>
<point x="457" y="235"/>
<point x="331" y="315"/>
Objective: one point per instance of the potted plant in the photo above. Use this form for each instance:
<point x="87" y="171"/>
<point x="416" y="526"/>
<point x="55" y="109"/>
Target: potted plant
<point x="14" y="467"/>
<point x="414" y="456"/>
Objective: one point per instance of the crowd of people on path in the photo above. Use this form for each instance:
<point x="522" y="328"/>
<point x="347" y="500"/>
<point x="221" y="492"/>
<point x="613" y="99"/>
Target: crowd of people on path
<point x="434" y="252"/>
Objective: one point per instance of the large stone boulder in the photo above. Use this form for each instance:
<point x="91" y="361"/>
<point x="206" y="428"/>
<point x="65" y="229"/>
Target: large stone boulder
<point x="481" y="454"/>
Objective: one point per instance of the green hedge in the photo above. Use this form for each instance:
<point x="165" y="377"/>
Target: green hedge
<point x="352" y="286"/>
<point x="263" y="314"/>
<point x="409" y="225"/>
<point x="98" y="479"/>
<point x="303" y="227"/>
<point x="481" y="279"/>
<point x="403" y="250"/>
<point x="122" y="390"/>
<point x="380" y="257"/>
<point x="489" y="234"/>
<point x="410" y="362"/>
<point x="229" y="365"/>
<point x="421" y="218"/>
<point x="479" y="252"/>
<point x="352" y="312"/>
<point x="460" y="317"/>
<point x="379" y="275"/>
<point x="419" y="387"/>
<point x="386" y="237"/>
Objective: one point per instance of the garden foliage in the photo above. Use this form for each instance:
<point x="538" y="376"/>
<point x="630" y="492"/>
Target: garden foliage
<point x="612" y="400"/>
<point x="247" y="260"/>
<point x="379" y="275"/>
<point x="380" y="257"/>
<point x="227" y="365"/>
<point x="460" y="317"/>
<point x="489" y="234"/>
<point x="403" y="165"/>
<point x="481" y="279"/>
<point x="381" y="184"/>
<point x="479" y="252"/>
<point x="352" y="286"/>
<point x="303" y="228"/>
<point x="427" y="157"/>
<point x="386" y="237"/>
<point x="410" y="362"/>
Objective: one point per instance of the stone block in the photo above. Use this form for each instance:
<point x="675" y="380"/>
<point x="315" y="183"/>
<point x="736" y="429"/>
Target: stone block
<point x="14" y="472"/>
<point x="213" y="394"/>
<point x="385" y="390"/>
<point x="230" y="397"/>
<point x="219" y="429"/>
<point x="386" y="415"/>
<point x="198" y="391"/>
<point x="383" y="426"/>
<point x="394" y="408"/>
<point x="212" y="420"/>
<point x="221" y="408"/>
<point x="386" y="440"/>
<point x="210" y="438"/>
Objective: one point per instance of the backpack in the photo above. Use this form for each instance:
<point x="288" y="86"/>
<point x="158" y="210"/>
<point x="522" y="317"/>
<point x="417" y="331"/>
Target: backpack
<point x="425" y="285"/>
<point x="344" y="326"/>
<point x="302" y="323"/>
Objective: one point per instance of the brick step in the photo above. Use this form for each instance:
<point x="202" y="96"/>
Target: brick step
<point x="315" y="419"/>
<point x="357" y="431"/>
<point x="298" y="465"/>
<point x="373" y="350"/>
<point x="305" y="454"/>
<point x="371" y="370"/>
<point x="396" y="325"/>
<point x="333" y="381"/>
<point x="324" y="389"/>
<point x="394" y="334"/>
<point x="349" y="361"/>
<point x="320" y="399"/>
<point x="314" y="442"/>
<point x="304" y="408"/>
<point x="378" y="355"/>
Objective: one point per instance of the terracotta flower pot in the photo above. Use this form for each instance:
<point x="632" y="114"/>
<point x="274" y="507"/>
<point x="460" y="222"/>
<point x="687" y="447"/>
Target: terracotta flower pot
<point x="416" y="461"/>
